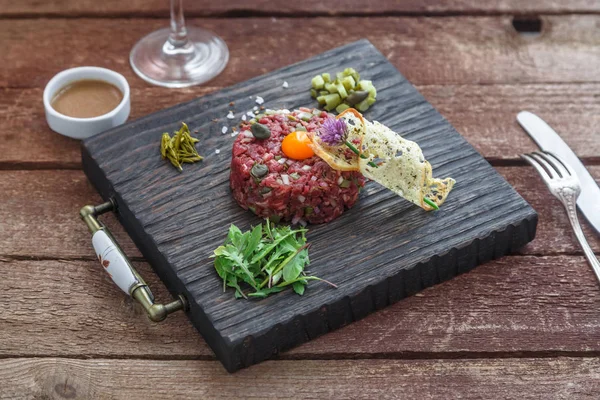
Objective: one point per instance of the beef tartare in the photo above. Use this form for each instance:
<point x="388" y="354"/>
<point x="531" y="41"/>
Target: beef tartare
<point x="264" y="180"/>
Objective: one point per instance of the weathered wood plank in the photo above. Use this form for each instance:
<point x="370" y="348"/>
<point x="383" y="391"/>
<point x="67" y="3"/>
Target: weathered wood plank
<point x="516" y="305"/>
<point x="484" y="114"/>
<point x="280" y="7"/>
<point x="453" y="50"/>
<point x="554" y="378"/>
<point x="55" y="198"/>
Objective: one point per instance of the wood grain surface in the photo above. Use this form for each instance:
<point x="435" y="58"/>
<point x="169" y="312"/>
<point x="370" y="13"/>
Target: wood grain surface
<point x="241" y="8"/>
<point x="457" y="50"/>
<point x="540" y="306"/>
<point x="55" y="378"/>
<point x="513" y="307"/>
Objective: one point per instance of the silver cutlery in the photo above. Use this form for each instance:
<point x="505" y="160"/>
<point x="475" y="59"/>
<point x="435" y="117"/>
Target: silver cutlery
<point x="564" y="185"/>
<point x="548" y="140"/>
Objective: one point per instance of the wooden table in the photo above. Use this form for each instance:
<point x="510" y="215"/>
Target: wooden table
<point x="524" y="326"/>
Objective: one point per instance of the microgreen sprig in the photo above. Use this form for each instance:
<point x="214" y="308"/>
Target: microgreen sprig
<point x="430" y="203"/>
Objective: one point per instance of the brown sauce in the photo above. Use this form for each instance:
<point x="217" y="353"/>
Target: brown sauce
<point x="87" y="98"/>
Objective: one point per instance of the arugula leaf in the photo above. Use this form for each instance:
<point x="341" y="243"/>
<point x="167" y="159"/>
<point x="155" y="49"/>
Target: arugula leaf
<point x="267" y="259"/>
<point x="231" y="252"/>
<point x="262" y="293"/>
<point x="235" y="235"/>
<point x="253" y="241"/>
<point x="232" y="282"/>
<point x="298" y="287"/>
<point x="295" y="266"/>
<point x="267" y="249"/>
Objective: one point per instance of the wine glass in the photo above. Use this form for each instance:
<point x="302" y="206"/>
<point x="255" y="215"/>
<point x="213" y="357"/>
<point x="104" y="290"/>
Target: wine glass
<point x="179" y="56"/>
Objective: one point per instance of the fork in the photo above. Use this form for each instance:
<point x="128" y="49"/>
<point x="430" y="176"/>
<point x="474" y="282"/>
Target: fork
<point x="564" y="185"/>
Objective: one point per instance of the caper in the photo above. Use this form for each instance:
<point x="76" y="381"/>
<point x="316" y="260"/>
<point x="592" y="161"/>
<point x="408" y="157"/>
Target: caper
<point x="259" y="170"/>
<point x="357" y="97"/>
<point x="260" y="131"/>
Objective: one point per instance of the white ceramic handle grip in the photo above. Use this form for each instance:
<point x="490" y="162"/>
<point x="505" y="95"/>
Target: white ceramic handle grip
<point x="114" y="262"/>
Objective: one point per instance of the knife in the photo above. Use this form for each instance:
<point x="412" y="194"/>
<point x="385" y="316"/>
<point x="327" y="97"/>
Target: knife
<point x="547" y="139"/>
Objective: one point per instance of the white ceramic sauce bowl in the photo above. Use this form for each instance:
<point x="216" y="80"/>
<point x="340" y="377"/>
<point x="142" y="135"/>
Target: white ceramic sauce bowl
<point x="81" y="128"/>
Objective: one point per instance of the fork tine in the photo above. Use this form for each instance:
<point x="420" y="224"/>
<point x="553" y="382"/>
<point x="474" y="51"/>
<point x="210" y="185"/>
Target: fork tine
<point x="537" y="166"/>
<point x="555" y="162"/>
<point x="561" y="162"/>
<point x="551" y="171"/>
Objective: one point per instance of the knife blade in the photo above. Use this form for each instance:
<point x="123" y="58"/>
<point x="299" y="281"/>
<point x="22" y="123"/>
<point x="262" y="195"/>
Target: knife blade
<point x="547" y="139"/>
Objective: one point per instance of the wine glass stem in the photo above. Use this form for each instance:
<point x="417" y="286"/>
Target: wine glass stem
<point x="178" y="37"/>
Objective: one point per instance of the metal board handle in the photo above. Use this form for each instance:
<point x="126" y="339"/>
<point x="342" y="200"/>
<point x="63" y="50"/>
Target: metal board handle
<point x="117" y="265"/>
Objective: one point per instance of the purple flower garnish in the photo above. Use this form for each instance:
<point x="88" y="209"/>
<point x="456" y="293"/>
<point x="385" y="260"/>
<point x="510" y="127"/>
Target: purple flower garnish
<point x="333" y="131"/>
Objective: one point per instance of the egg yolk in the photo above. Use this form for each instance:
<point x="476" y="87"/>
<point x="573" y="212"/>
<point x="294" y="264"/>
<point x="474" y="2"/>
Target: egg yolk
<point x="296" y="145"/>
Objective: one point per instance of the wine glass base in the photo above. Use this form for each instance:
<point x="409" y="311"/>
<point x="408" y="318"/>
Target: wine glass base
<point x="156" y="61"/>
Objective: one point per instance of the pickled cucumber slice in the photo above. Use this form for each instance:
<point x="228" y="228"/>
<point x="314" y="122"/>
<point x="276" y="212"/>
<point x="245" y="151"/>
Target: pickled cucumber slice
<point x="317" y="82"/>
<point x="332" y="101"/>
<point x="345" y="86"/>
<point x="341" y="108"/>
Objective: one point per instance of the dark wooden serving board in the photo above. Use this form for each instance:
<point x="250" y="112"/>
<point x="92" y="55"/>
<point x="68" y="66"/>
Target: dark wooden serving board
<point x="379" y="252"/>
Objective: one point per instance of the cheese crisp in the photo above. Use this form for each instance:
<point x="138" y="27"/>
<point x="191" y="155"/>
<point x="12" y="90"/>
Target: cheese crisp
<point x="388" y="159"/>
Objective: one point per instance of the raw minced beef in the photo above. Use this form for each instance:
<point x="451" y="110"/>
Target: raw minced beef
<point x="293" y="190"/>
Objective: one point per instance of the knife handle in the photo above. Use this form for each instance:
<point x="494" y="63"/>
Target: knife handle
<point x="117" y="265"/>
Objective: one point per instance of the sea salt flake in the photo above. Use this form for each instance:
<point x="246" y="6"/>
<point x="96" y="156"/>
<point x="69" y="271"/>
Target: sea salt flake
<point x="217" y="151"/>
<point x="243" y="117"/>
<point x="255" y="108"/>
<point x="224" y="129"/>
<point x="250" y="114"/>
<point x="230" y="115"/>
<point x="259" y="100"/>
<point x="285" y="84"/>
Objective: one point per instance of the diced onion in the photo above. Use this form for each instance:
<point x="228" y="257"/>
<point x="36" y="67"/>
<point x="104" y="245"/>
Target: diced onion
<point x="313" y="178"/>
<point x="301" y="199"/>
<point x="306" y="168"/>
<point x="282" y="160"/>
<point x="340" y="180"/>
<point x="248" y="134"/>
<point x="285" y="179"/>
